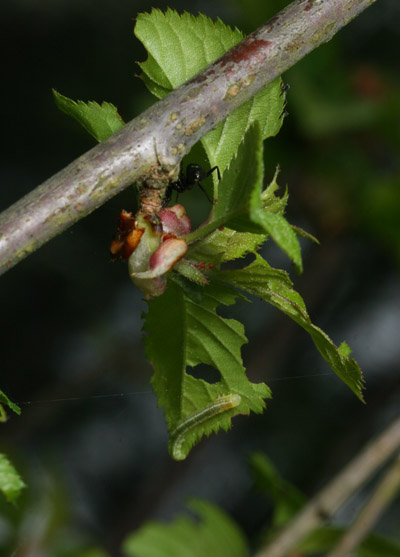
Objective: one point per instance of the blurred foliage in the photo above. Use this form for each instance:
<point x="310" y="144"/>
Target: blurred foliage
<point x="217" y="535"/>
<point x="213" y="534"/>
<point x="345" y="114"/>
<point x="11" y="483"/>
<point x="39" y="523"/>
<point x="287" y="499"/>
<point x="348" y="122"/>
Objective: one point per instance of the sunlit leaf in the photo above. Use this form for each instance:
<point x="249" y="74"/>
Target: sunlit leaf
<point x="213" y="534"/>
<point x="100" y="121"/>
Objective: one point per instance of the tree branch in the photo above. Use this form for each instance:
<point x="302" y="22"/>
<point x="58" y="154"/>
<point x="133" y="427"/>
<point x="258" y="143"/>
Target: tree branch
<point x="150" y="147"/>
<point x="383" y="495"/>
<point x="329" y="499"/>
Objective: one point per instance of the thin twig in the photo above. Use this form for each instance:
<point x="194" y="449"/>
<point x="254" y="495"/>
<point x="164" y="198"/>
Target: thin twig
<point x="150" y="147"/>
<point x="324" y="505"/>
<point x="381" y="498"/>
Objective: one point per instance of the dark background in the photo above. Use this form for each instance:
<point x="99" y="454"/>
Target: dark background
<point x="91" y="443"/>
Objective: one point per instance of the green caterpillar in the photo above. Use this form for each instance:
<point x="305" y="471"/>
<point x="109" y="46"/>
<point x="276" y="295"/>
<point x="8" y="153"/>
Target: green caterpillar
<point x="221" y="404"/>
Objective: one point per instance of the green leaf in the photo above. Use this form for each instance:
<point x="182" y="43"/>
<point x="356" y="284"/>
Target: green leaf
<point x="240" y="183"/>
<point x="243" y="206"/>
<point x="287" y="499"/>
<point x="100" y="121"/>
<point x="193" y="333"/>
<point x="189" y="270"/>
<point x="344" y="350"/>
<point x="275" y="287"/>
<point x="280" y="230"/>
<point x="11" y="483"/>
<point x="268" y="214"/>
<point x="303" y="234"/>
<point x="214" y="534"/>
<point x="5" y="400"/>
<point x="225" y="245"/>
<point x="179" y="46"/>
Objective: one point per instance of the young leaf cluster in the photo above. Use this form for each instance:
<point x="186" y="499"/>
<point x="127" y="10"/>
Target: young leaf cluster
<point x="183" y="328"/>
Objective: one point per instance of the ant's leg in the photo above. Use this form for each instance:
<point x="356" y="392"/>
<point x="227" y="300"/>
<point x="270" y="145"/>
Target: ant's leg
<point x="212" y="170"/>
<point x="167" y="197"/>
<point x="205" y="193"/>
<point x="208" y="174"/>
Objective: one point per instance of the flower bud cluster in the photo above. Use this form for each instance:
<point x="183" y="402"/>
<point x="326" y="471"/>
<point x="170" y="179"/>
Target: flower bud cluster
<point x="152" y="249"/>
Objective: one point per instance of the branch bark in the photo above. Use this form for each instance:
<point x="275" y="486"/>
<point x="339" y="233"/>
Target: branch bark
<point x="322" y="507"/>
<point x="383" y="495"/>
<point x="150" y="147"/>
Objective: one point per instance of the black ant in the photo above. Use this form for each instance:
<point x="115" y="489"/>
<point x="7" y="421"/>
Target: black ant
<point x="194" y="175"/>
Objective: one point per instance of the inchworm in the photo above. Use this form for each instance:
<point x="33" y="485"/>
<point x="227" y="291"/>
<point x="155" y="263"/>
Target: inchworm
<point x="221" y="404"/>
